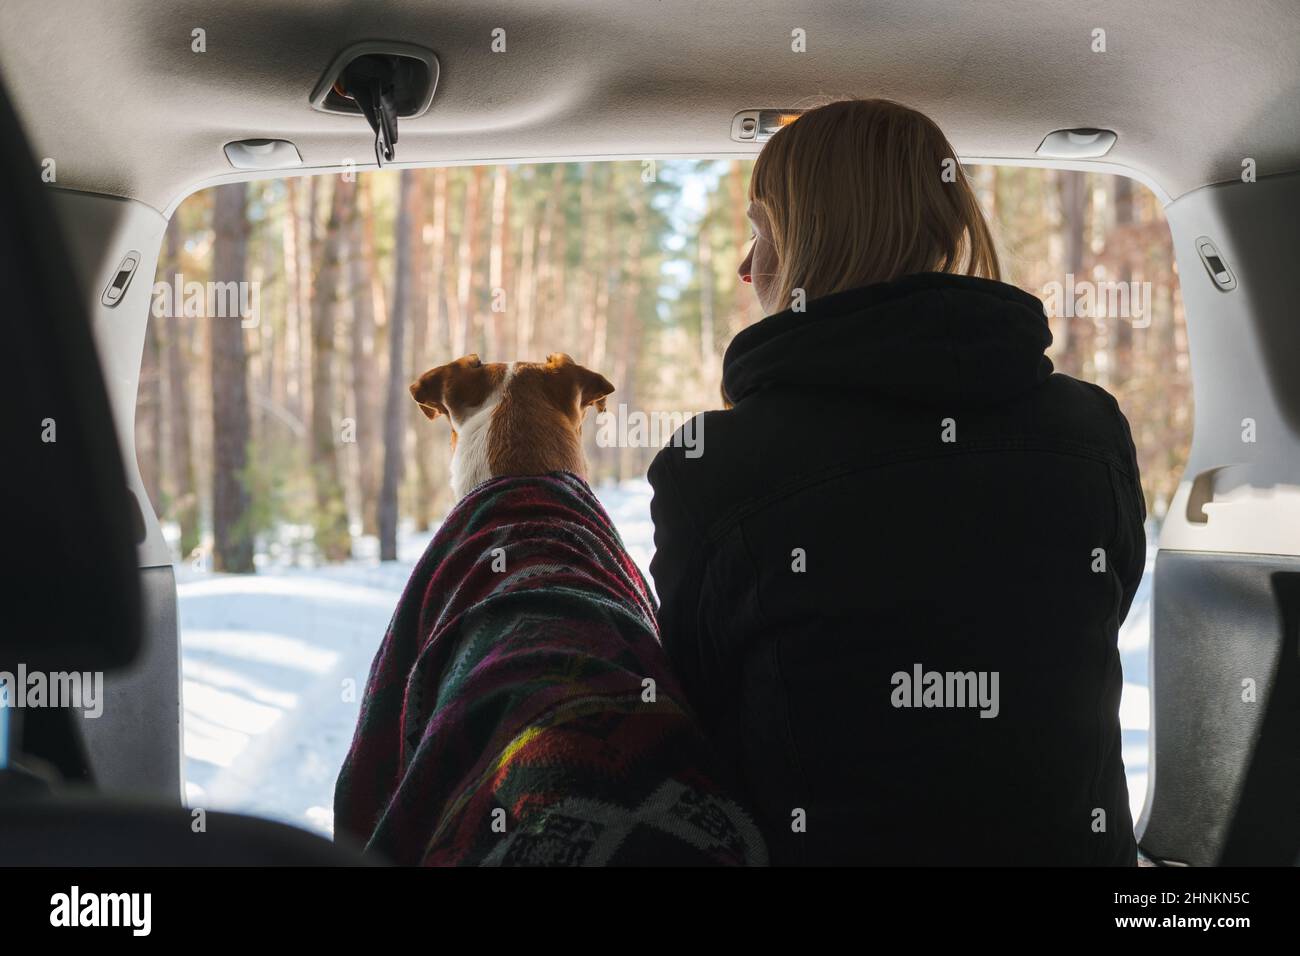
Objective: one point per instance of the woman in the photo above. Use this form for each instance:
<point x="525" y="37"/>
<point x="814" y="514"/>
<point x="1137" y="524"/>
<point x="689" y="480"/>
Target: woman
<point x="893" y="581"/>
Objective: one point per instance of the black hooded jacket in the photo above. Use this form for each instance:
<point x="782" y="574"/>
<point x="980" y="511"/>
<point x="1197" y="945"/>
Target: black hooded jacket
<point x="892" y="577"/>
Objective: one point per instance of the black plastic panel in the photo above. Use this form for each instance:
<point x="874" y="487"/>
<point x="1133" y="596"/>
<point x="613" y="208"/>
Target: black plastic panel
<point x="1226" y="771"/>
<point x="85" y="833"/>
<point x="134" y="747"/>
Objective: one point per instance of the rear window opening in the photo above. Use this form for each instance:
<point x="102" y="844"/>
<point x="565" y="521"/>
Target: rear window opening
<point x="262" y="401"/>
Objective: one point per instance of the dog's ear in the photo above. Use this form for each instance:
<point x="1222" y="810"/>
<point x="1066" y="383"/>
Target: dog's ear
<point x="590" y="387"/>
<point x="427" y="391"/>
<point x="441" y="389"/>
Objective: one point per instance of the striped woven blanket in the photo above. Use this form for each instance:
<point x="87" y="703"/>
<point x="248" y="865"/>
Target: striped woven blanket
<point x="520" y="709"/>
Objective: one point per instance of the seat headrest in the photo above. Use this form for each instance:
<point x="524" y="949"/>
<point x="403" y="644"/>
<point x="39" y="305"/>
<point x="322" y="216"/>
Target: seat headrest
<point x="71" y="592"/>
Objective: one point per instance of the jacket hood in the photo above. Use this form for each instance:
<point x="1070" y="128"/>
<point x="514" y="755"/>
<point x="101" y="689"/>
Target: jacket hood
<point x="931" y="338"/>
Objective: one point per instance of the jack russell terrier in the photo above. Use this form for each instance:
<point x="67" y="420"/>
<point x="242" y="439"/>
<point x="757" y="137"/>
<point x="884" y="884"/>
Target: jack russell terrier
<point x="522" y="418"/>
<point x="520" y="709"/>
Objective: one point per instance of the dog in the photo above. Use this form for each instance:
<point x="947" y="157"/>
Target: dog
<point x="519" y="418"/>
<point x="520" y="710"/>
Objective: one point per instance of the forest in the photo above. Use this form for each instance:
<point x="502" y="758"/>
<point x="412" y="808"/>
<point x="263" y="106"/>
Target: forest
<point x="278" y="422"/>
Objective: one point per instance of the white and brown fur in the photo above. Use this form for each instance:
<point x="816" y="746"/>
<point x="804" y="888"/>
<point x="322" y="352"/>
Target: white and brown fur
<point x="516" y="418"/>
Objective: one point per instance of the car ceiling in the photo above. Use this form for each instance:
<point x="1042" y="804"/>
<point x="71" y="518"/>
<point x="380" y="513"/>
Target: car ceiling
<point x="111" y="90"/>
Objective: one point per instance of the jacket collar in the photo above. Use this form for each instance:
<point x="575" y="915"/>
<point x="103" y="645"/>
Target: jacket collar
<point x="933" y="338"/>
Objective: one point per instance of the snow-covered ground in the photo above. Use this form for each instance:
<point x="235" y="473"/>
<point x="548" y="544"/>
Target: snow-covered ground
<point x="274" y="665"/>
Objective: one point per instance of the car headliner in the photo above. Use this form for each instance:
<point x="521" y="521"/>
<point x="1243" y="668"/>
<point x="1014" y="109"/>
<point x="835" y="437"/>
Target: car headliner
<point x="113" y="93"/>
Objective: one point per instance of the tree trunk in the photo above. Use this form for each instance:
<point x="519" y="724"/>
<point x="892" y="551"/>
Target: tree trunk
<point x="437" y="452"/>
<point x="604" y="290"/>
<point x="231" y="531"/>
<point x="605" y="268"/>
<point x="148" y="416"/>
<point x="397" y="397"/>
<point x="589" y="278"/>
<point x="333" y="539"/>
<point x="420" y="361"/>
<point x="542" y="326"/>
<point x="527" y="296"/>
<point x="363" y="354"/>
<point x="708" y="350"/>
<point x="184" y="494"/>
<point x="498" y="257"/>
<point x="629" y="327"/>
<point x="465" y="340"/>
<point x="1074" y="212"/>
<point x="378" y="293"/>
<point x="269" y="338"/>
<point x="439" y="327"/>
<point x="561" y="325"/>
<point x="295" y="301"/>
<point x="1122" y="326"/>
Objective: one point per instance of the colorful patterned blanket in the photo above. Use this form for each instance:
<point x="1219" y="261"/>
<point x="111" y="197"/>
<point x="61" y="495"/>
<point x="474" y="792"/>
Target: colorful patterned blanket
<point x="520" y="709"/>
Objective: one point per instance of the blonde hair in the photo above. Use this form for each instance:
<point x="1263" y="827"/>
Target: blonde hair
<point x="855" y="194"/>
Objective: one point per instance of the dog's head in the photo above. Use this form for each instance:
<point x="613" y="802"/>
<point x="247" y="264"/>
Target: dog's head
<point x="519" y="418"/>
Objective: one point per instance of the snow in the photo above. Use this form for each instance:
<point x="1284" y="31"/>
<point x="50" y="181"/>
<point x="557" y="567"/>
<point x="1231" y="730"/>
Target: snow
<point x="274" y="664"/>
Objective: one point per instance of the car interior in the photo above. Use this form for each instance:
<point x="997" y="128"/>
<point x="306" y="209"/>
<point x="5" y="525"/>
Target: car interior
<point x="111" y="114"/>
